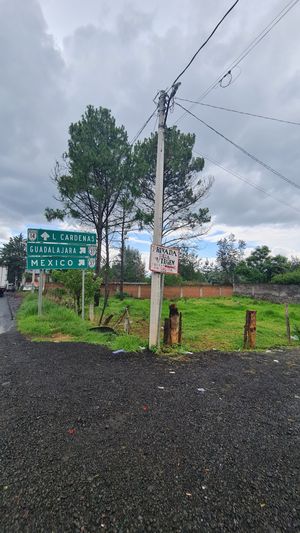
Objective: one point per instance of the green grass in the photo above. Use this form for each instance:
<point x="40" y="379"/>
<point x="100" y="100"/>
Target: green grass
<point x="208" y="323"/>
<point x="61" y="324"/>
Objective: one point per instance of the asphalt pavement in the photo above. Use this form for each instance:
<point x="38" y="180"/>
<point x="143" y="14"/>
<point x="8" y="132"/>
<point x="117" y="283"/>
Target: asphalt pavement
<point x="5" y="314"/>
<point x="93" y="441"/>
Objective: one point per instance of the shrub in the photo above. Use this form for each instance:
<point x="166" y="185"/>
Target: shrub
<point x="289" y="278"/>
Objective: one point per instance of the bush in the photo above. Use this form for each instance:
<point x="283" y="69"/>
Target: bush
<point x="289" y="278"/>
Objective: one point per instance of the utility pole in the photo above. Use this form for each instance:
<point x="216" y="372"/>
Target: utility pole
<point x="157" y="278"/>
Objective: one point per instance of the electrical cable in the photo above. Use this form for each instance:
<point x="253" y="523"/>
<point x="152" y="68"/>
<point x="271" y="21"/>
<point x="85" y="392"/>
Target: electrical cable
<point x="135" y="138"/>
<point x="205" y="42"/>
<point x="247" y="51"/>
<point x="241" y="178"/>
<point x="243" y="150"/>
<point x="240" y="112"/>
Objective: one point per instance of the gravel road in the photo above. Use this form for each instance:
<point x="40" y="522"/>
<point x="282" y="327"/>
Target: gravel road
<point x="95" y="442"/>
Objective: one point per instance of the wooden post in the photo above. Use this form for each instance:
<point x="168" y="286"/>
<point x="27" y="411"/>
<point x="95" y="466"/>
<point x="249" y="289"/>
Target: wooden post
<point x="167" y="339"/>
<point x="246" y="328"/>
<point x="287" y="322"/>
<point x="127" y="322"/>
<point x="173" y="326"/>
<point x="250" y="330"/>
<point x="91" y="311"/>
<point x="180" y="328"/>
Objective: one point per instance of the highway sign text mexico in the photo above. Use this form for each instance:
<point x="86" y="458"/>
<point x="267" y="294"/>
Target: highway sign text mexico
<point x="60" y="263"/>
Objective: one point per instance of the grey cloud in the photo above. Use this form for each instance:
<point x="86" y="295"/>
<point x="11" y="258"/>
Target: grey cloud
<point x="118" y="55"/>
<point x="31" y="107"/>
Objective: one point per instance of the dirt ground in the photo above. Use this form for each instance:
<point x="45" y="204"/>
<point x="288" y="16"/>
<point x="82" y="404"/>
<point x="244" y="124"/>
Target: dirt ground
<point x="93" y="441"/>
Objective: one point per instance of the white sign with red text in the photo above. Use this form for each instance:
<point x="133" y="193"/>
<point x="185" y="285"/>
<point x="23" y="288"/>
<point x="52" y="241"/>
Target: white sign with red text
<point x="164" y="259"/>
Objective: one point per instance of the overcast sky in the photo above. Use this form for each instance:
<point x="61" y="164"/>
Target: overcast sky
<point x="58" y="56"/>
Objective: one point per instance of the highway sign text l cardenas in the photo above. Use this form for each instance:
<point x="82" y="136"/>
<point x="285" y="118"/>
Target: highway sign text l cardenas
<point x="57" y="236"/>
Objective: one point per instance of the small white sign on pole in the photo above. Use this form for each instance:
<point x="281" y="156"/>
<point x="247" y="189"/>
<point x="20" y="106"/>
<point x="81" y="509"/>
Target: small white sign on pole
<point x="164" y="259"/>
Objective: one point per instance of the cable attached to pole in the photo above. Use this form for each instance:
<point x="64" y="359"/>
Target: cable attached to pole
<point x="205" y="42"/>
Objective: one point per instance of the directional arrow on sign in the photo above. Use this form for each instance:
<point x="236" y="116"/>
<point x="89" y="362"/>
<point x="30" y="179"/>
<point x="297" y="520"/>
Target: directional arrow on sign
<point x="45" y="236"/>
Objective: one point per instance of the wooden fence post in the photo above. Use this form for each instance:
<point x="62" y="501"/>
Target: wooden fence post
<point x="287" y="322"/>
<point x="173" y="326"/>
<point x="250" y="330"/>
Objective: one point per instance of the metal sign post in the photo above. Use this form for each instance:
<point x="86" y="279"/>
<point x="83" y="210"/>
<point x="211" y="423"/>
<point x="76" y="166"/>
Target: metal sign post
<point x="82" y="295"/>
<point x="40" y="299"/>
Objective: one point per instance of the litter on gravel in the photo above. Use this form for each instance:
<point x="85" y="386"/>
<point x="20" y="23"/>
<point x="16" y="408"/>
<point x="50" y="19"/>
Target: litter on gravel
<point x="275" y="360"/>
<point x="171" y="372"/>
<point x="201" y="390"/>
<point x="161" y="388"/>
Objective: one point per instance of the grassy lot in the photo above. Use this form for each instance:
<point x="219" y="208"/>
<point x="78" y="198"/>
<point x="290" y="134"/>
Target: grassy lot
<point x="215" y="323"/>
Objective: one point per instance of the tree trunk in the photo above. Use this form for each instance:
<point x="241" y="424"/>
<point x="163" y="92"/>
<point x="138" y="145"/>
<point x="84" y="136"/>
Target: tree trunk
<point x="106" y="274"/>
<point x="122" y="252"/>
<point x="78" y="303"/>
<point x="99" y="230"/>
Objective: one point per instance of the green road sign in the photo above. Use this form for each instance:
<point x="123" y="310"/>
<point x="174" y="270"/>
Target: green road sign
<point x="38" y="249"/>
<point x="57" y="236"/>
<point x="60" y="263"/>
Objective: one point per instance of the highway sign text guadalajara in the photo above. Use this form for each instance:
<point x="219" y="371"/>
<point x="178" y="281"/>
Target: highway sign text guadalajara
<point x="50" y="249"/>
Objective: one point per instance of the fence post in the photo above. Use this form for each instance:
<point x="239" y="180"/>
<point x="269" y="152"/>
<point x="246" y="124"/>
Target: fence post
<point x="287" y="322"/>
<point x="250" y="330"/>
<point x="173" y="326"/>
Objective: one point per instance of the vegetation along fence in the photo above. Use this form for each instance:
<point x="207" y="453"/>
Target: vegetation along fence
<point x="268" y="291"/>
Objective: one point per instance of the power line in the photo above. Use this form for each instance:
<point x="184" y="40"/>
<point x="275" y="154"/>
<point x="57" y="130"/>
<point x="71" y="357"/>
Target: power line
<point x="241" y="178"/>
<point x="243" y="150"/>
<point x="247" y="50"/>
<point x="240" y="112"/>
<point x="205" y="42"/>
<point x="135" y="138"/>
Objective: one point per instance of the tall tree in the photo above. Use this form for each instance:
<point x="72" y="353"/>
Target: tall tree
<point x="133" y="265"/>
<point x="230" y="252"/>
<point x="189" y="265"/>
<point x="92" y="174"/>
<point x="13" y="255"/>
<point x="183" y="219"/>
<point x="260" y="265"/>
